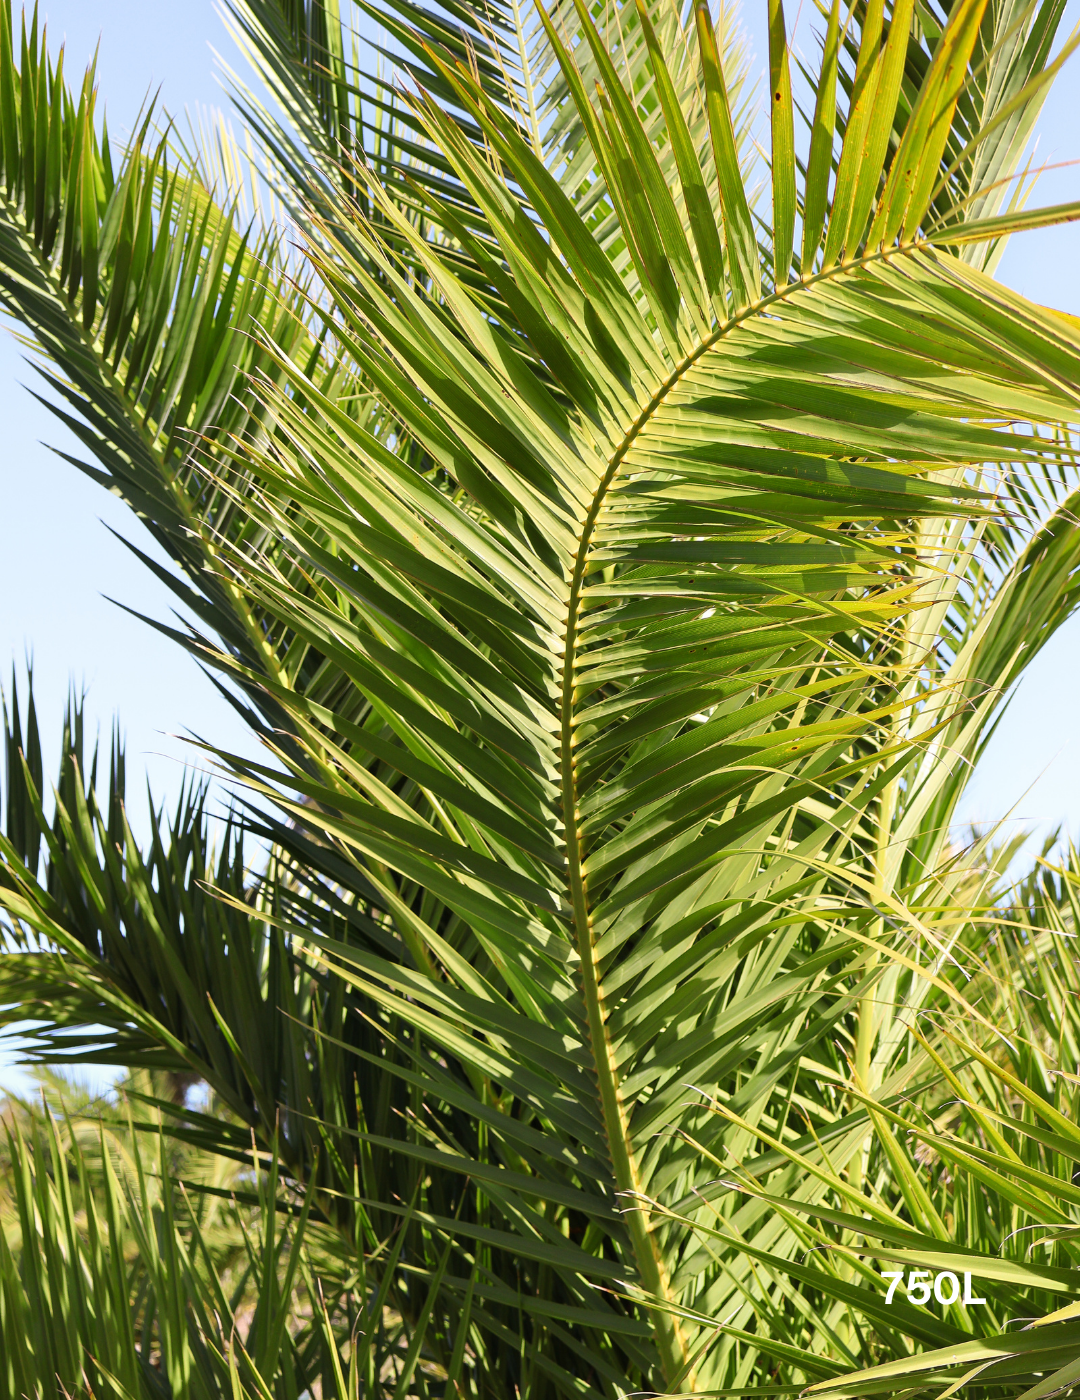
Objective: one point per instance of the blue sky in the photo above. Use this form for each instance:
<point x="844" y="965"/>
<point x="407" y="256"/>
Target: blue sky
<point x="61" y="564"/>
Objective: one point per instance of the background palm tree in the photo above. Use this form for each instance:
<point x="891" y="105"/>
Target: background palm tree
<point x="621" y="544"/>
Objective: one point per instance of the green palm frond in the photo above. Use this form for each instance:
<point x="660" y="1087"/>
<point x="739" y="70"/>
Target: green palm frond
<point x="637" y="677"/>
<point x="619" y="661"/>
<point x="124" y="1275"/>
<point x="170" y="956"/>
<point x="969" y="1173"/>
<point x="1011" y="70"/>
<point x="140" y="294"/>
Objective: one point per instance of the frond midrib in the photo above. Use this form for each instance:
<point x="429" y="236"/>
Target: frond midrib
<point x="674" y="1348"/>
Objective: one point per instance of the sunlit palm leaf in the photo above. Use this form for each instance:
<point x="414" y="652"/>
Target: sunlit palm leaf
<point x="617" y="613"/>
<point x="141" y="293"/>
<point x="612" y="674"/>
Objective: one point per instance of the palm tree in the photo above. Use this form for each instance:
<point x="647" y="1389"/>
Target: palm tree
<point x="623" y="568"/>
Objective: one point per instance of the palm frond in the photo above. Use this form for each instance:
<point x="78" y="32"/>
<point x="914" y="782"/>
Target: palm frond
<point x="122" y="1274"/>
<point x="621" y="664"/>
<point x="641" y="670"/>
<point x="140" y="294"/>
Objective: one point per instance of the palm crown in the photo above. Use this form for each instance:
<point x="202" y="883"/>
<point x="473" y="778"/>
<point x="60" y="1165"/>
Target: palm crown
<point x="623" y="568"/>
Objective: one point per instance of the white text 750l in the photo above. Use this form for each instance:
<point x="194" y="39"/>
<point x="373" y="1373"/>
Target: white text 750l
<point x="922" y="1282"/>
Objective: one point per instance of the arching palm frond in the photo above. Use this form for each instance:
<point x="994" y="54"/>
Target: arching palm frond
<point x="645" y="630"/>
<point x="639" y="668"/>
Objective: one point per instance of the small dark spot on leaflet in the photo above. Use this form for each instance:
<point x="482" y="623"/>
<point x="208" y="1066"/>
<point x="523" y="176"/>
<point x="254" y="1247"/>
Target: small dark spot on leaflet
<point x="778" y="97"/>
